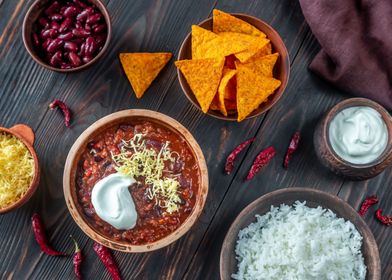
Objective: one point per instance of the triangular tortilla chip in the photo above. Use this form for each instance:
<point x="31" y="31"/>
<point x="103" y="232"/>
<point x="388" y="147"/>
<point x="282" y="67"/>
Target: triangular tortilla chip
<point x="263" y="65"/>
<point x="252" y="90"/>
<point x="203" y="77"/>
<point x="253" y="50"/>
<point x="223" y="89"/>
<point x="206" y="44"/>
<point x="142" y="68"/>
<point x="223" y="22"/>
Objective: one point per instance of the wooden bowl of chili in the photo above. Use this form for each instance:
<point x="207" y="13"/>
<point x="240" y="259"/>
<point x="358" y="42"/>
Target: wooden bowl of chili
<point x="110" y="147"/>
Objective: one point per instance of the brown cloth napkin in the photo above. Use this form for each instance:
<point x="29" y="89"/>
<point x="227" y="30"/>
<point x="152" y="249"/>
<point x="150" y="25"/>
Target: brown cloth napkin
<point x="356" y="45"/>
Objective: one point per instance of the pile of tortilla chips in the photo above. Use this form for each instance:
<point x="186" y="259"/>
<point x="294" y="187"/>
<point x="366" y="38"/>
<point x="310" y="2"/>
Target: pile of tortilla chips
<point x="231" y="69"/>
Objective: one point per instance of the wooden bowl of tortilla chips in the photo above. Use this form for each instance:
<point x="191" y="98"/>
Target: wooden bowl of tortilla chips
<point x="233" y="66"/>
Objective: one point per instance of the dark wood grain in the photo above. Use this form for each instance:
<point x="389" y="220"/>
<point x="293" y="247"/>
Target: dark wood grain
<point x="160" y="25"/>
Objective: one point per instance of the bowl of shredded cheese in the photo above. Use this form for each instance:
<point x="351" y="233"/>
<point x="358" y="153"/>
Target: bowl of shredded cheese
<point x="19" y="167"/>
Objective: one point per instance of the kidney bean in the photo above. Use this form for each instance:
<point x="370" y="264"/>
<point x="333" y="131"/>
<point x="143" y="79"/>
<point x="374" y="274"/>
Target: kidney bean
<point x="87" y="59"/>
<point x="55" y="45"/>
<point x="66" y="36"/>
<point x="90" y="47"/>
<point x="78" y="24"/>
<point x="82" y="16"/>
<point x="71" y="46"/>
<point x="43" y="22"/>
<point x="82" y="49"/>
<point x="100" y="40"/>
<point x="36" y="41"/>
<point x="78" y="41"/>
<point x="80" y="32"/>
<point x="87" y="27"/>
<point x="49" y="33"/>
<point x="54" y="25"/>
<point x="56" y="59"/>
<point x="80" y="4"/>
<point x="46" y="43"/>
<point x="53" y="8"/>
<point x="71" y="11"/>
<point x="74" y="59"/>
<point x="65" y="66"/>
<point x="56" y="17"/>
<point x="65" y="25"/>
<point x="94" y="19"/>
<point x="99" y="28"/>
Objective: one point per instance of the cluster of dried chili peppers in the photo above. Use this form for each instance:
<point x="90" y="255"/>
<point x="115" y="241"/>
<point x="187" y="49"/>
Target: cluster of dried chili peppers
<point x="263" y="158"/>
<point x="64" y="108"/>
<point x="102" y="252"/>
<point x="369" y="202"/>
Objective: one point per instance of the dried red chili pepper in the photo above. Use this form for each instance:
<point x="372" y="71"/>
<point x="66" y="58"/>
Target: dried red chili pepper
<point x="107" y="259"/>
<point x="293" y="146"/>
<point x="386" y="220"/>
<point x="367" y="203"/>
<point x="77" y="259"/>
<point x="39" y="231"/>
<point x="262" y="159"/>
<point x="229" y="166"/>
<point x="64" y="108"/>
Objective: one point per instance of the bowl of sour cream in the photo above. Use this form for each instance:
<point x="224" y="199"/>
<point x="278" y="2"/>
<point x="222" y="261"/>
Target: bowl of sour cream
<point x="354" y="139"/>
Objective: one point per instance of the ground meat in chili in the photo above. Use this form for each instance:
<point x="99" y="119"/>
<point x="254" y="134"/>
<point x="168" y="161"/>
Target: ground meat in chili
<point x="153" y="222"/>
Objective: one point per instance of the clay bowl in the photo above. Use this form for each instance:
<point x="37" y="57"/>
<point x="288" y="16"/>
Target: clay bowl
<point x="281" y="70"/>
<point x="313" y="198"/>
<point x="25" y="134"/>
<point x="34" y="13"/>
<point x="330" y="159"/>
<point x="96" y="128"/>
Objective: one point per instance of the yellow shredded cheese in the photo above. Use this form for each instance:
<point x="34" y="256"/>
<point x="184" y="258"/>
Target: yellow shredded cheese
<point x="16" y="169"/>
<point x="135" y="159"/>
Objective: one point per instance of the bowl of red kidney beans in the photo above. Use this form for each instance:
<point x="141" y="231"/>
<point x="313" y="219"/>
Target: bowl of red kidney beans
<point x="66" y="35"/>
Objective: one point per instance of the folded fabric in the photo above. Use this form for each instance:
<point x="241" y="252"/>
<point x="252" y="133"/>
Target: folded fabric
<point x="356" y="45"/>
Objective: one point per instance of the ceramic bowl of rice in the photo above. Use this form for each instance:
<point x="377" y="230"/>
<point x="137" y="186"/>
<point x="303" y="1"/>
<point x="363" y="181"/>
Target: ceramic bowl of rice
<point x="299" y="234"/>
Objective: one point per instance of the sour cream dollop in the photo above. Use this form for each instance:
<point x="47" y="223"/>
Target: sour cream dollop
<point x="113" y="202"/>
<point x="358" y="134"/>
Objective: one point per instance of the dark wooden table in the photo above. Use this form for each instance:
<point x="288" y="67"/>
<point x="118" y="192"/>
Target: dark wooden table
<point x="161" y="25"/>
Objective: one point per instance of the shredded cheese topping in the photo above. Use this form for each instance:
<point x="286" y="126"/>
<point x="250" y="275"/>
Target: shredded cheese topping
<point x="16" y="169"/>
<point x="135" y="159"/>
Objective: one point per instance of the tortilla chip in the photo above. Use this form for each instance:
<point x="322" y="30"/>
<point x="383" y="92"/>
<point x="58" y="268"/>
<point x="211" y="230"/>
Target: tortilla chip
<point x="252" y="90"/>
<point x="142" y="68"/>
<point x="206" y="44"/>
<point x="266" y="50"/>
<point x="203" y="77"/>
<point x="223" y="22"/>
<point x="230" y="61"/>
<point x="256" y="48"/>
<point x="263" y="65"/>
<point x="214" y="104"/>
<point x="223" y="89"/>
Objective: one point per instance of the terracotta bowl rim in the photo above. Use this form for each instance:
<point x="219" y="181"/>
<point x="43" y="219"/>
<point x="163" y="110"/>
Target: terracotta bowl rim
<point x="36" y="178"/>
<point x="28" y="44"/>
<point x="279" y="92"/>
<point x="353" y="102"/>
<point x="72" y="159"/>
<point x="374" y="257"/>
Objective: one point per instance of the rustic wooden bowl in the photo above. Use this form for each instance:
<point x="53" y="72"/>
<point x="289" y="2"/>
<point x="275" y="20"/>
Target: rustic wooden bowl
<point x="281" y="70"/>
<point x="101" y="125"/>
<point x="25" y="134"/>
<point x="314" y="198"/>
<point x="330" y="159"/>
<point x="33" y="14"/>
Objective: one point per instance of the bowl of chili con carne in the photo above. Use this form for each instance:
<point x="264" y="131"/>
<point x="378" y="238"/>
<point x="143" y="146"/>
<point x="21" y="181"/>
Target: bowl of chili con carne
<point x="95" y="155"/>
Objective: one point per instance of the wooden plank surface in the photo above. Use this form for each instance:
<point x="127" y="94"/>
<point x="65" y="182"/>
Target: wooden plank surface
<point x="161" y="25"/>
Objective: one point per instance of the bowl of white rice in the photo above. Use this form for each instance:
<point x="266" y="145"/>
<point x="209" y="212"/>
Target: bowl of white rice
<point x="299" y="234"/>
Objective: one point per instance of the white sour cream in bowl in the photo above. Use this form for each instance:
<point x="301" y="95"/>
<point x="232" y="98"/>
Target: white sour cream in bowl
<point x="113" y="202"/>
<point x="358" y="134"/>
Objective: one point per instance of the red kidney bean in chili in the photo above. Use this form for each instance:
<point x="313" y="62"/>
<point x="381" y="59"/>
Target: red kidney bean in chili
<point x="262" y="159"/>
<point x="64" y="108"/>
<point x="293" y="146"/>
<point x="106" y="257"/>
<point x="40" y="236"/>
<point x="367" y="203"/>
<point x="386" y="220"/>
<point x="229" y="166"/>
<point x="64" y="27"/>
